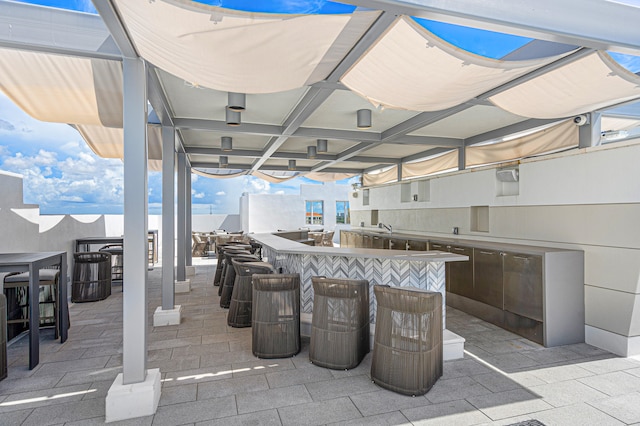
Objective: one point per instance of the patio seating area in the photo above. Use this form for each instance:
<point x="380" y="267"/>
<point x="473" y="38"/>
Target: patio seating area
<point x="211" y="377"/>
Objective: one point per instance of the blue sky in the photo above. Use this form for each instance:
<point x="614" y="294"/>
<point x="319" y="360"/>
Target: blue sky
<point x="63" y="175"/>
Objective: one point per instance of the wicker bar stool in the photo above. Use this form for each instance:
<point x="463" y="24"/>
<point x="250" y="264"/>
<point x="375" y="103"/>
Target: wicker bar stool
<point x="3" y="336"/>
<point x="340" y="325"/>
<point x="47" y="297"/>
<point x="91" y="276"/>
<point x="240" y="306"/>
<point x="220" y="264"/>
<point x="407" y="349"/>
<point x="226" y="263"/>
<point x="117" y="261"/>
<point x="230" y="275"/>
<point x="275" y="315"/>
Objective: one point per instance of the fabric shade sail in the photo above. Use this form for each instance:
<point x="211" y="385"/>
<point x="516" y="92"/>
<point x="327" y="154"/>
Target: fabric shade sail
<point x="411" y="68"/>
<point x="551" y="139"/>
<point x="446" y="161"/>
<point x="108" y="142"/>
<point x="218" y="173"/>
<point x="63" y="89"/>
<point x="239" y="51"/>
<point x="390" y="175"/>
<point x="591" y="83"/>
<point x="328" y="177"/>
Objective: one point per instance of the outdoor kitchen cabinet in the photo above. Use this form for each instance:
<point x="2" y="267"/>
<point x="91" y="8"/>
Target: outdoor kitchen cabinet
<point x="488" y="277"/>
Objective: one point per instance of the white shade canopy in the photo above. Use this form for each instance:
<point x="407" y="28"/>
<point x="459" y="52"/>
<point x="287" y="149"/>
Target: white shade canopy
<point x="237" y="51"/>
<point x="411" y="68"/>
<point x="304" y="77"/>
<point x="588" y="84"/>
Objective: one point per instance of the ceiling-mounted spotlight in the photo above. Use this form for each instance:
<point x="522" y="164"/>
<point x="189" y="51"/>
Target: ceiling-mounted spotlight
<point x="226" y="143"/>
<point x="223" y="162"/>
<point x="292" y="164"/>
<point x="311" y="151"/>
<point x="236" y="101"/>
<point x="364" y="118"/>
<point x="322" y="145"/>
<point x="233" y="117"/>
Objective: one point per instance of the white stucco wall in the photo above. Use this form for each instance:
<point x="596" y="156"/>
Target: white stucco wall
<point x="270" y="212"/>
<point x="211" y="222"/>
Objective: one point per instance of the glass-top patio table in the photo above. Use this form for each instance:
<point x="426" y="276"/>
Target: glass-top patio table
<point x="32" y="263"/>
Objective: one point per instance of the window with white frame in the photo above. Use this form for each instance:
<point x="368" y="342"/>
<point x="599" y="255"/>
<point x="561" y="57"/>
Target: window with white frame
<point x="314" y="212"/>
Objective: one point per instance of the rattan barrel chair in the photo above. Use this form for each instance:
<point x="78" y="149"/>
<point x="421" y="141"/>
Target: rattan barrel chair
<point x="230" y="275"/>
<point x="117" y="261"/>
<point x="275" y="316"/>
<point x="220" y="258"/>
<point x="91" y="276"/>
<point x="242" y="296"/>
<point x="49" y="305"/>
<point x="224" y="258"/>
<point x="340" y="325"/>
<point x="407" y="349"/>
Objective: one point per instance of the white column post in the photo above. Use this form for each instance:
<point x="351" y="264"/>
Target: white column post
<point x="168" y="313"/>
<point x="189" y="260"/>
<point x="183" y="285"/>
<point x="134" y="353"/>
<point x="135" y="392"/>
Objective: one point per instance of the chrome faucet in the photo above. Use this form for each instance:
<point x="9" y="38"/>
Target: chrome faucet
<point x="387" y="227"/>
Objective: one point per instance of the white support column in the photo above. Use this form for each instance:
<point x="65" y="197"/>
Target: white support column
<point x="136" y="391"/>
<point x="189" y="261"/>
<point x="183" y="285"/>
<point x="168" y="313"/>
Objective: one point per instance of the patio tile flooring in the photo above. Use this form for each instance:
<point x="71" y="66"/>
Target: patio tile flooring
<point x="210" y="376"/>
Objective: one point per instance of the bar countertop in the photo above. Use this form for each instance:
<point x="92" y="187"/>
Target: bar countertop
<point x="284" y="245"/>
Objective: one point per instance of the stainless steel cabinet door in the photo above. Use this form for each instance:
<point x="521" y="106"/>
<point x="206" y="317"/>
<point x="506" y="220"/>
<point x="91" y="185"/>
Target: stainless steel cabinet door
<point x="523" y="285"/>
<point x="461" y="273"/>
<point x="487" y="273"/>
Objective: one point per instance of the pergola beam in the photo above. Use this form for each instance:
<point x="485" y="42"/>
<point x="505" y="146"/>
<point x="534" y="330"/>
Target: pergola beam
<point x="598" y="24"/>
<point x="58" y="31"/>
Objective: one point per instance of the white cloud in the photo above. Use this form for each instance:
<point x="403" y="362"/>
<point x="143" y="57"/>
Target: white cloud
<point x="220" y="193"/>
<point x="199" y="195"/>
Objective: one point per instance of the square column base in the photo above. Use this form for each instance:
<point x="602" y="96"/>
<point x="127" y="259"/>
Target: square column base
<point x="133" y="400"/>
<point x="163" y="317"/>
<point x="183" y="286"/>
<point x="190" y="271"/>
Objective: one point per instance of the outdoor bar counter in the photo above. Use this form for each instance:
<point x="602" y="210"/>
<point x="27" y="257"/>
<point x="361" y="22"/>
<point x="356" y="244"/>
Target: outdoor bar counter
<point x="421" y="269"/>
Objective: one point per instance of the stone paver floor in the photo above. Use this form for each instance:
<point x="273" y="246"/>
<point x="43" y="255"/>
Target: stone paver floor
<point x="210" y="376"/>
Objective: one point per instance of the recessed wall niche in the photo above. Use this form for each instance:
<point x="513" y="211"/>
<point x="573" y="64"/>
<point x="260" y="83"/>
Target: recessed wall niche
<point x="507" y="181"/>
<point x="405" y="192"/>
<point x="479" y="219"/>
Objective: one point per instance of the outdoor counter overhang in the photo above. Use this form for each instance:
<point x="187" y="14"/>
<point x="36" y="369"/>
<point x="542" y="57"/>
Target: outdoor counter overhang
<point x="421" y="269"/>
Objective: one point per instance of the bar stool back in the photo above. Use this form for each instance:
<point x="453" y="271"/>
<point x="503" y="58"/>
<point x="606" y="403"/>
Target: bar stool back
<point x="91" y="276"/>
<point x="48" y="303"/>
<point x="230" y="275"/>
<point x="275" y="316"/>
<point x="407" y="349"/>
<point x="340" y="325"/>
<point x="242" y="296"/>
<point x="225" y="263"/>
<point x="3" y="336"/>
<point x="219" y="264"/>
